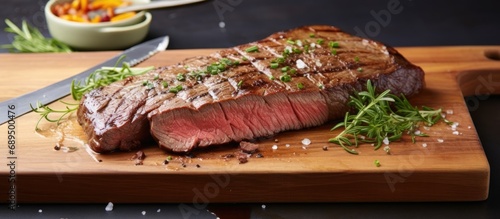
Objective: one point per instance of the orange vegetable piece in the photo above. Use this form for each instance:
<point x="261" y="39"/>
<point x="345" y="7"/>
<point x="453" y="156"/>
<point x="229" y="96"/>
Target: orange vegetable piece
<point x="122" y="16"/>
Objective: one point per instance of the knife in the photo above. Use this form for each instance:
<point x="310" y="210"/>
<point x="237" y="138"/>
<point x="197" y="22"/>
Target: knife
<point x="19" y="106"/>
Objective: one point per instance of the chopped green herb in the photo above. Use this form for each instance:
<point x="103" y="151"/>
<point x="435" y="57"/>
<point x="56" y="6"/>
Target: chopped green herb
<point x="157" y="76"/>
<point x="285" y="78"/>
<point x="306" y="48"/>
<point x="244" y="58"/>
<point x="300" y="86"/>
<point x="360" y="69"/>
<point x="333" y="44"/>
<point x="181" y="77"/>
<point x="175" y="89"/>
<point x="356" y="59"/>
<point x="272" y="77"/>
<point x="320" y="41"/>
<point x="312" y="35"/>
<point x="289" y="41"/>
<point x="293" y="71"/>
<point x="285" y="69"/>
<point x="164" y="84"/>
<point x="286" y="52"/>
<point x="169" y="158"/>
<point x="252" y="49"/>
<point x="297" y="50"/>
<point x="334" y="52"/>
<point x="274" y="65"/>
<point x="240" y="83"/>
<point x="377" y="163"/>
<point x="320" y="86"/>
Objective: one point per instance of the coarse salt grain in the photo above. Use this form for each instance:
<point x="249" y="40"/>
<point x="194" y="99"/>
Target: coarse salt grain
<point x="443" y="115"/>
<point x="263" y="206"/>
<point x="222" y="24"/>
<point x="109" y="207"/>
<point x="440" y="140"/>
<point x="158" y="210"/>
<point x="386" y="141"/>
<point x="299" y="42"/>
<point x="304" y="147"/>
<point x="424" y="145"/>
<point x="469" y="127"/>
<point x="274" y="147"/>
<point x="40" y="211"/>
<point x="301" y="64"/>
<point x="287" y="145"/>
<point x="143" y="212"/>
<point x="427" y="128"/>
<point x="417" y="132"/>
<point x="387" y="149"/>
<point x="449" y="112"/>
<point x="306" y="141"/>
<point x="318" y="63"/>
<point x="455" y="132"/>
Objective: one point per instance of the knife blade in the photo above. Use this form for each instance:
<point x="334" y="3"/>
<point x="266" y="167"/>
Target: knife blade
<point x="19" y="106"/>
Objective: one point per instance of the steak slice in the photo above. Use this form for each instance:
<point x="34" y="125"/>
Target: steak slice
<point x="290" y="80"/>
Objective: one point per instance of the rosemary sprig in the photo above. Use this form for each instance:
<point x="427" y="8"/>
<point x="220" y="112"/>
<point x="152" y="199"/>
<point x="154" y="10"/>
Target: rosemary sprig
<point x="46" y="112"/>
<point x="380" y="117"/>
<point x="101" y="77"/>
<point x="104" y="76"/>
<point x="28" y="39"/>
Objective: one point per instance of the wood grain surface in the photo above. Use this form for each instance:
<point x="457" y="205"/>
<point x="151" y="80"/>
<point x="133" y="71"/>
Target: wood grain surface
<point x="454" y="170"/>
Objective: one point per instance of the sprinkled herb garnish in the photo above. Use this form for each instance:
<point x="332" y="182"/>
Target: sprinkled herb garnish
<point x="360" y="69"/>
<point x="376" y="120"/>
<point x="312" y="35"/>
<point x="239" y="84"/>
<point x="289" y="41"/>
<point x="334" y="52"/>
<point x="300" y="86"/>
<point x="320" y="41"/>
<point x="377" y="163"/>
<point x="274" y="65"/>
<point x="285" y="78"/>
<point x="181" y="77"/>
<point x="296" y="50"/>
<point x="333" y="44"/>
<point x="252" y="49"/>
<point x="285" y="69"/>
<point x="175" y="89"/>
<point x="164" y="84"/>
<point x="272" y="77"/>
<point x="356" y="59"/>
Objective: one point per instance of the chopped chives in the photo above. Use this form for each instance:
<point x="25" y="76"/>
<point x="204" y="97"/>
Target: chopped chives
<point x="320" y="41"/>
<point x="176" y="89"/>
<point x="300" y="86"/>
<point x="272" y="77"/>
<point x="181" y="77"/>
<point x="360" y="69"/>
<point x="334" y="52"/>
<point x="164" y="84"/>
<point x="285" y="69"/>
<point x="356" y="59"/>
<point x="333" y="44"/>
<point x="289" y="41"/>
<point x="285" y="78"/>
<point x="240" y="83"/>
<point x="252" y="49"/>
<point x="274" y="65"/>
<point x="312" y="35"/>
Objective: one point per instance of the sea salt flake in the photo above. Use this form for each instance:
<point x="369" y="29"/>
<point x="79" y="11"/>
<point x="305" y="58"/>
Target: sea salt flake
<point x="287" y="145"/>
<point x="424" y="145"/>
<point x="469" y="127"/>
<point x="143" y="212"/>
<point x="440" y="140"/>
<point x="455" y="132"/>
<point x="222" y="24"/>
<point x="417" y="132"/>
<point x="306" y="141"/>
<point x="449" y="112"/>
<point x="263" y="206"/>
<point x="40" y="211"/>
<point x="158" y="210"/>
<point x="274" y="147"/>
<point x="300" y="64"/>
<point x="386" y="141"/>
<point x="109" y="207"/>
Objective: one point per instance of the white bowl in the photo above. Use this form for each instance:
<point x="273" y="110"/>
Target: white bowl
<point x="98" y="36"/>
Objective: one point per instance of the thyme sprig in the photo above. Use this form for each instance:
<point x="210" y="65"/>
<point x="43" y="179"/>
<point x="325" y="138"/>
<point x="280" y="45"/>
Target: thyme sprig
<point x="101" y="77"/>
<point x="28" y="39"/>
<point x="380" y="117"/>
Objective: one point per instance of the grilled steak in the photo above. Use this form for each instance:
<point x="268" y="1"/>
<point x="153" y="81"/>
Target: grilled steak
<point x="287" y="81"/>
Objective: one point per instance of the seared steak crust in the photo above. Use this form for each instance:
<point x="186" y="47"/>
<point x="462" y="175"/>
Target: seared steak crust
<point x="287" y="81"/>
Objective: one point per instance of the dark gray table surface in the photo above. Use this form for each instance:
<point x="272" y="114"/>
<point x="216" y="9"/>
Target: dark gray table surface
<point x="411" y="23"/>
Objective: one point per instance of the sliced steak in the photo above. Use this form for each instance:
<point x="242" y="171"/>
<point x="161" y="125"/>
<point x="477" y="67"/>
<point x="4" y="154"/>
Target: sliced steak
<point x="287" y="81"/>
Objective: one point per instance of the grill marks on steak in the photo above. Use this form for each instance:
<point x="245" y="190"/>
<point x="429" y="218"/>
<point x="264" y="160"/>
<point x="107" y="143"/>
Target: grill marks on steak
<point x="244" y="102"/>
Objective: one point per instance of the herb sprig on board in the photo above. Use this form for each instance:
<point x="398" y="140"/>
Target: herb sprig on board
<point x="101" y="77"/>
<point x="382" y="117"/>
<point x="28" y="39"/>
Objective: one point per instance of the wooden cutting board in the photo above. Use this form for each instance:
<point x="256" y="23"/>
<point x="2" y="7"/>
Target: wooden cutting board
<point x="455" y="169"/>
